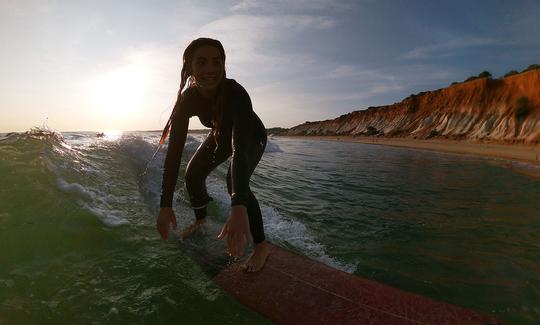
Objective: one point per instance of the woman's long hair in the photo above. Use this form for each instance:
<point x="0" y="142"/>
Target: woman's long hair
<point x="186" y="77"/>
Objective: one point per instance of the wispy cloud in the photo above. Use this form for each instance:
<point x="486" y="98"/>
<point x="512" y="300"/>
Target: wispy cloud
<point x="252" y="42"/>
<point x="301" y="59"/>
<point x="449" y="47"/>
<point x="347" y="87"/>
<point x="357" y="73"/>
<point x="287" y="6"/>
<point x="364" y="92"/>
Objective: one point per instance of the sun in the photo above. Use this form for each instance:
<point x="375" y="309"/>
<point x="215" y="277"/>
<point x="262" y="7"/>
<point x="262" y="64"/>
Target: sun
<point x="119" y="91"/>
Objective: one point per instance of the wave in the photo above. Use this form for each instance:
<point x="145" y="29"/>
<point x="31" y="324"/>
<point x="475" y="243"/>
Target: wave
<point x="104" y="176"/>
<point x="295" y="234"/>
<point x="272" y="147"/>
<point x="278" y="228"/>
<point x="34" y="133"/>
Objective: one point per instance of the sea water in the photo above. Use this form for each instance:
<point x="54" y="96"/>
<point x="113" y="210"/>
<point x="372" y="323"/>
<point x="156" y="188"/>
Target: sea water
<point x="78" y="241"/>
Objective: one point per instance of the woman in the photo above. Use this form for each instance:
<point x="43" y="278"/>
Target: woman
<point x="223" y="105"/>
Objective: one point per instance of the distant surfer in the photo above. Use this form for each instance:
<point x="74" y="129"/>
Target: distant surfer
<point x="223" y="105"/>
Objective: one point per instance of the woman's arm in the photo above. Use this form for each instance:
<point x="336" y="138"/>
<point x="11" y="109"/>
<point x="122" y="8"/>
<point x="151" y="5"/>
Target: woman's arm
<point x="237" y="227"/>
<point x="177" y="139"/>
<point x="241" y="137"/>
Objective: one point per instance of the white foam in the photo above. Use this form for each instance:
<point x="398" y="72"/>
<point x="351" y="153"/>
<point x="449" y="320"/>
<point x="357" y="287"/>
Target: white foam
<point x="272" y="147"/>
<point x="281" y="229"/>
<point x="217" y="188"/>
<point x="106" y="216"/>
<point x="295" y="233"/>
<point x="97" y="203"/>
<point x="91" y="199"/>
<point x="74" y="188"/>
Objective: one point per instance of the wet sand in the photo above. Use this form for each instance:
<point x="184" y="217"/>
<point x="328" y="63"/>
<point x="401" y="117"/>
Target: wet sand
<point x="517" y="152"/>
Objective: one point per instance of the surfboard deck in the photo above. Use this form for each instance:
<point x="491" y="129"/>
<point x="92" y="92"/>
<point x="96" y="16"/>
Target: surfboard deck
<point x="293" y="289"/>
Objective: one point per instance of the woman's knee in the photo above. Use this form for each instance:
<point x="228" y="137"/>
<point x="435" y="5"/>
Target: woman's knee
<point x="196" y="188"/>
<point x="195" y="178"/>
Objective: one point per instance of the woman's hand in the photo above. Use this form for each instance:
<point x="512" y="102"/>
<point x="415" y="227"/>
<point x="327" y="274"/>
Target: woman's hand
<point x="166" y="216"/>
<point x="236" y="229"/>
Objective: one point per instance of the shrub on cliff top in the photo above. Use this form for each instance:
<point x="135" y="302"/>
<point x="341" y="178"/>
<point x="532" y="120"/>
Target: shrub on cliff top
<point x="484" y="74"/>
<point x="510" y="73"/>
<point x="532" y="67"/>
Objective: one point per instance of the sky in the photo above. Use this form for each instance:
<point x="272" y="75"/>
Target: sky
<point x="115" y="65"/>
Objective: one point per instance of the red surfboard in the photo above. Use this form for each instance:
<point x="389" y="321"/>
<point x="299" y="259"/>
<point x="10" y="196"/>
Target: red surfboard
<point x="293" y="289"/>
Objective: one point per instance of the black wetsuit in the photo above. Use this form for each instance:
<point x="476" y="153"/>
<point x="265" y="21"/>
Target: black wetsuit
<point x="243" y="136"/>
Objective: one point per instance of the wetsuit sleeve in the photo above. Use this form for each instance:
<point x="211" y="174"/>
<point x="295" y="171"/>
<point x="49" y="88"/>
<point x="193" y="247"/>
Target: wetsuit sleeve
<point x="177" y="139"/>
<point x="241" y="137"/>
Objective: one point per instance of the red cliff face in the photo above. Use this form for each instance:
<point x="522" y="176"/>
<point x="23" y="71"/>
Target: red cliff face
<point x="501" y="110"/>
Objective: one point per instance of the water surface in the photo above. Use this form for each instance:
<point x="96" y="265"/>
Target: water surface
<point x="79" y="242"/>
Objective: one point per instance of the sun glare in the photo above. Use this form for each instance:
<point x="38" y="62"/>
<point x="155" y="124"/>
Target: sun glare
<point x="119" y="91"/>
<point x="112" y="135"/>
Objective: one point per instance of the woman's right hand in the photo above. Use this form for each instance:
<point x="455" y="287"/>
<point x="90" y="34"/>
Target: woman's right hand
<point x="166" y="216"/>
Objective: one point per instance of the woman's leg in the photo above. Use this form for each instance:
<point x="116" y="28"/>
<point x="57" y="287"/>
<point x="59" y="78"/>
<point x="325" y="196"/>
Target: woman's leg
<point x="254" y="211"/>
<point x="197" y="170"/>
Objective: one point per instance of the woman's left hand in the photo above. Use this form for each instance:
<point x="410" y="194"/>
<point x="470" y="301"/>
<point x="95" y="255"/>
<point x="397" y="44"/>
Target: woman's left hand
<point x="236" y="229"/>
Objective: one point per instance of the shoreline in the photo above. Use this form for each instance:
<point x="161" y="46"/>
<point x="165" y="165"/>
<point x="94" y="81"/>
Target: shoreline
<point x="529" y="154"/>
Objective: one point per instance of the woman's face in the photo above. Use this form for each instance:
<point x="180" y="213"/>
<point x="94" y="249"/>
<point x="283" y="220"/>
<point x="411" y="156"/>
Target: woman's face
<point x="207" y="67"/>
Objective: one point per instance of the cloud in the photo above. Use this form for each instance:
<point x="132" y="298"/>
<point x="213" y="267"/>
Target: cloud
<point x="25" y="8"/>
<point x="357" y="73"/>
<point x="288" y="7"/>
<point x="330" y="87"/>
<point x="449" y="48"/>
<point x="364" y="92"/>
<point x="260" y="28"/>
<point x="254" y="42"/>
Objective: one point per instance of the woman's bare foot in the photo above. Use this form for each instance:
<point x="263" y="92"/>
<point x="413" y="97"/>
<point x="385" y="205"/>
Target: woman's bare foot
<point x="256" y="260"/>
<point x="192" y="228"/>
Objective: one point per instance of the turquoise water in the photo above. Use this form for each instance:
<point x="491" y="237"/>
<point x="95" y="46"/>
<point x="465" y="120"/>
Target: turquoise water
<point x="79" y="244"/>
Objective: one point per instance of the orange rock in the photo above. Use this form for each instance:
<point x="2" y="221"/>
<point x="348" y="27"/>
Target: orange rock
<point x="482" y="109"/>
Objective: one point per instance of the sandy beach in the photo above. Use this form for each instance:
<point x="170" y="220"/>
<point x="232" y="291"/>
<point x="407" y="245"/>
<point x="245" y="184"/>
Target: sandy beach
<point x="516" y="152"/>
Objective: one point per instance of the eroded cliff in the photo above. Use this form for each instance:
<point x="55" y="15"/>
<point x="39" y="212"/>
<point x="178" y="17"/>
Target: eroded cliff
<point x="501" y="110"/>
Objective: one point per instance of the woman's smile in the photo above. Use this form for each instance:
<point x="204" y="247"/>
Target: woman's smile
<point x="207" y="67"/>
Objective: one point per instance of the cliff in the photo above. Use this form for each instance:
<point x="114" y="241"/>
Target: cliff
<point x="498" y="110"/>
